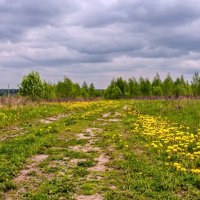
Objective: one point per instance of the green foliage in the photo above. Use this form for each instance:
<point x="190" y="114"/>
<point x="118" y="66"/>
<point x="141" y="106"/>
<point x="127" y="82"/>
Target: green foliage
<point x="85" y="90"/>
<point x="133" y="88"/>
<point x="69" y="90"/>
<point x="167" y="86"/>
<point x="65" y="88"/>
<point x="157" y="90"/>
<point x="92" y="92"/>
<point x="49" y="91"/>
<point x="145" y="86"/>
<point x="157" y="86"/>
<point x="32" y="86"/>
<point x="196" y="84"/>
<point x="113" y="91"/>
<point x="77" y="90"/>
<point x="122" y="85"/>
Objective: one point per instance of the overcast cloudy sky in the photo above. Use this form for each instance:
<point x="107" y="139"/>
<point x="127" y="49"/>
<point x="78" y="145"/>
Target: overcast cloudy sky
<point x="96" y="40"/>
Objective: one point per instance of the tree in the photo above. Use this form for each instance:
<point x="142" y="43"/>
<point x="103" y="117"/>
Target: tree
<point x="195" y="85"/>
<point x="145" y="86"/>
<point x="122" y="85"/>
<point x="133" y="87"/>
<point x="157" y="86"/>
<point x="65" y="88"/>
<point x="85" y="90"/>
<point x="92" y="92"/>
<point x="113" y="92"/>
<point x="49" y="91"/>
<point x="77" y="90"/>
<point x="167" y="86"/>
<point x="32" y="86"/>
<point x="180" y="87"/>
<point x="68" y="88"/>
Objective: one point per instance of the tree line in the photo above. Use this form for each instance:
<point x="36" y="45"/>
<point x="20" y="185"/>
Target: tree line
<point x="7" y="92"/>
<point x="33" y="87"/>
<point x="143" y="87"/>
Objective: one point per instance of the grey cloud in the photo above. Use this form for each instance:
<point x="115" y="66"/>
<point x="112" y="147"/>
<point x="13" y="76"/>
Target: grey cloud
<point x="97" y="40"/>
<point x="16" y="17"/>
<point x="160" y="12"/>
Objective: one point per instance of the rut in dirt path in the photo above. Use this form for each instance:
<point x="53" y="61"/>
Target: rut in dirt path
<point x="53" y="119"/>
<point x="14" y="132"/>
<point x="32" y="175"/>
<point x="91" y="135"/>
<point x="24" y="177"/>
<point x="90" y="197"/>
<point x="31" y="167"/>
<point x="11" y="132"/>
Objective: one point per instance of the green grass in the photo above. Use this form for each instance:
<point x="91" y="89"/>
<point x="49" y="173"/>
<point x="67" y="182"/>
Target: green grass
<point x="184" y="112"/>
<point x="134" y="170"/>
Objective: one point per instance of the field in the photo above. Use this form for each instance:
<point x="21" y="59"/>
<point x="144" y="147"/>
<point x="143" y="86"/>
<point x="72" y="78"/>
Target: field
<point x="120" y="150"/>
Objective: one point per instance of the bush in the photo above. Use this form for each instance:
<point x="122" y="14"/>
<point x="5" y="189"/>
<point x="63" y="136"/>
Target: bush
<point x="32" y="86"/>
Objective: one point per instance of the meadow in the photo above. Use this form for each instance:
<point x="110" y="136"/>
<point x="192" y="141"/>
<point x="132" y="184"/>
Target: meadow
<point x="107" y="149"/>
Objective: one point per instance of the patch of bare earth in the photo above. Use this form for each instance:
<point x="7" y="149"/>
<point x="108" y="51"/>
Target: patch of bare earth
<point x="181" y="194"/>
<point x="113" y="187"/>
<point x="89" y="197"/>
<point x="31" y="167"/>
<point x="13" y="136"/>
<point x="28" y="178"/>
<point x="125" y="107"/>
<point x="52" y="119"/>
<point x="92" y="130"/>
<point x="12" y="132"/>
<point x="101" y="163"/>
<point x="86" y="148"/>
<point x="139" y="150"/>
<point x="60" y="163"/>
<point x="84" y="136"/>
<point x="94" y="177"/>
<point x="90" y="135"/>
<point x="114" y="120"/>
<point x="117" y="114"/>
<point x="75" y="161"/>
<point x="105" y="115"/>
<point x="113" y="117"/>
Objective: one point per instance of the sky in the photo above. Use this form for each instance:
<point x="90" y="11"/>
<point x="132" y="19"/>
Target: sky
<point x="98" y="40"/>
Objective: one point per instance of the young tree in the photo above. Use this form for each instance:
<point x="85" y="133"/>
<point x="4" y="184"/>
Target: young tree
<point x="65" y="88"/>
<point x="49" y="91"/>
<point x="156" y="80"/>
<point x="133" y="87"/>
<point x="195" y="85"/>
<point x="32" y="86"/>
<point x="85" y="90"/>
<point x="60" y="87"/>
<point x="77" y="90"/>
<point x="167" y="86"/>
<point x="157" y="86"/>
<point x="113" y="92"/>
<point x="145" y="86"/>
<point x="179" y="87"/>
<point x="92" y="91"/>
<point x="69" y="87"/>
<point x="123" y="86"/>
